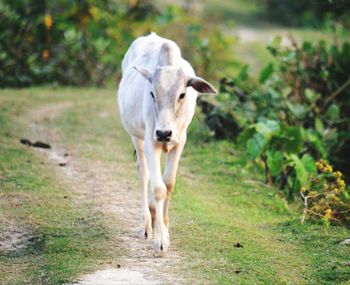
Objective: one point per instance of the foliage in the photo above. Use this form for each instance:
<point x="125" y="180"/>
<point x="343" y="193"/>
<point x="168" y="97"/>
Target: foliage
<point x="326" y="197"/>
<point x="307" y="13"/>
<point x="45" y="41"/>
<point x="296" y="113"/>
<point x="82" y="42"/>
<point x="212" y="209"/>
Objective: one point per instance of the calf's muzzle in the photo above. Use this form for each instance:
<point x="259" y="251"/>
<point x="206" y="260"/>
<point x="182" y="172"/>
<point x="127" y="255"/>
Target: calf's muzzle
<point x="163" y="136"/>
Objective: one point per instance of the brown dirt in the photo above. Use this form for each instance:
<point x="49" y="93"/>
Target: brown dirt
<point x="13" y="237"/>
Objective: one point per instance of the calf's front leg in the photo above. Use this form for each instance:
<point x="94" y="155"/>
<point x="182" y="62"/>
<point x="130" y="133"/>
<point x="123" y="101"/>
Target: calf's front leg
<point x="160" y="233"/>
<point x="169" y="176"/>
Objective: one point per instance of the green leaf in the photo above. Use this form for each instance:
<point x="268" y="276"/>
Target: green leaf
<point x="286" y="91"/>
<point x="319" y="126"/>
<point x="291" y="139"/>
<point x="244" y="73"/>
<point x="245" y="135"/>
<point x="266" y="72"/>
<point x="267" y="128"/>
<point x="311" y="95"/>
<point x="290" y="56"/>
<point x="256" y="145"/>
<point x="330" y="136"/>
<point x="276" y="42"/>
<point x="274" y="162"/>
<point x="297" y="109"/>
<point x="300" y="171"/>
<point x="309" y="163"/>
<point x="303" y="167"/>
<point x="315" y="140"/>
<point x="274" y="94"/>
<point x="333" y="112"/>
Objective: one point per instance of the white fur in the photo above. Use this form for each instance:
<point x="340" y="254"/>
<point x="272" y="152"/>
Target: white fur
<point x="154" y="64"/>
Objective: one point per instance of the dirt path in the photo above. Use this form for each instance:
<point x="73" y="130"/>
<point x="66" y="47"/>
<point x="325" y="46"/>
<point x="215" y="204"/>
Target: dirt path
<point x="104" y="189"/>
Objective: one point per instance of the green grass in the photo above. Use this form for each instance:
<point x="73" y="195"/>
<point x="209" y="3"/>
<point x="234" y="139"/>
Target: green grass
<point x="226" y="209"/>
<point x="215" y="204"/>
<point x="67" y="240"/>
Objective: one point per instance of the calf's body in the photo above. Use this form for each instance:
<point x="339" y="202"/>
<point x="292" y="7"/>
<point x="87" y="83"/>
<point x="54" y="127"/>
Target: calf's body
<point x="157" y="98"/>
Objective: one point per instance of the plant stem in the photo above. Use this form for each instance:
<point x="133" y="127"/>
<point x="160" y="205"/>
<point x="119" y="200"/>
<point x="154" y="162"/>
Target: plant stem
<point x="336" y="93"/>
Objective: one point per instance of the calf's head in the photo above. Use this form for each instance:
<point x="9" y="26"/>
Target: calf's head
<point x="168" y="93"/>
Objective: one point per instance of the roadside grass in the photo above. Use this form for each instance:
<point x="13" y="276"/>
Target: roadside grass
<point x="219" y="202"/>
<point x="220" y="207"/>
<point x="65" y="241"/>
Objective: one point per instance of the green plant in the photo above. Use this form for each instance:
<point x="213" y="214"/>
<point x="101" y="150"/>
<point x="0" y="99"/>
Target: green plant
<point x="82" y="42"/>
<point x="326" y="197"/>
<point x="297" y="112"/>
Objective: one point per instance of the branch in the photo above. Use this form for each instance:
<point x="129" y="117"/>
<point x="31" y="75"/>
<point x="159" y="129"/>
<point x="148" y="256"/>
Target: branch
<point x="336" y="93"/>
<point x="305" y="207"/>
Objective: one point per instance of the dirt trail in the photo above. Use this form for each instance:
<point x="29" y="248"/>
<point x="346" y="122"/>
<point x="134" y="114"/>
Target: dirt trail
<point x="100" y="186"/>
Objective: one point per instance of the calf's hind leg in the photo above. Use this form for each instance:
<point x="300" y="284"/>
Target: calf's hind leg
<point x="145" y="230"/>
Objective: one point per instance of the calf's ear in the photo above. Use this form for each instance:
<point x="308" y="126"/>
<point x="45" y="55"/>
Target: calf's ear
<point x="144" y="72"/>
<point x="200" y="85"/>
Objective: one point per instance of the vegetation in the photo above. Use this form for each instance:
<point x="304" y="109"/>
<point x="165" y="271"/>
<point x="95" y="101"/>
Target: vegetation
<point x="83" y="42"/>
<point x="218" y="202"/>
<point x="63" y="240"/>
<point x="326" y="196"/>
<point x="286" y="123"/>
<point x="294" y="113"/>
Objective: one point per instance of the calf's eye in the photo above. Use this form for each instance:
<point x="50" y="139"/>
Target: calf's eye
<point x="152" y="95"/>
<point x="182" y="95"/>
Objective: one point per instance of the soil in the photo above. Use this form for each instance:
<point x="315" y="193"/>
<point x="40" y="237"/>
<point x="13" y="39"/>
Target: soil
<point x="14" y="237"/>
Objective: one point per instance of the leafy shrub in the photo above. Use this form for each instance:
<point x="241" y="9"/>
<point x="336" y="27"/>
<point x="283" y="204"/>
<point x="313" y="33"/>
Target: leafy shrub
<point x="325" y="197"/>
<point x="295" y="114"/>
<point x="82" y="42"/>
<point x="55" y="41"/>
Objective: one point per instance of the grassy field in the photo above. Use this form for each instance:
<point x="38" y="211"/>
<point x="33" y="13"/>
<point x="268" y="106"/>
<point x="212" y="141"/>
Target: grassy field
<point x="219" y="202"/>
<point x="63" y="240"/>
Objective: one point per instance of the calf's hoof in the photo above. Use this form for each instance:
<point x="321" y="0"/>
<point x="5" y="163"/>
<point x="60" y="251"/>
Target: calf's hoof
<point x="161" y="244"/>
<point x="145" y="231"/>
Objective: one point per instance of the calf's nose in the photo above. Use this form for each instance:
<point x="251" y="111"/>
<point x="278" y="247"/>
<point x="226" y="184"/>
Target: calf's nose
<point x="163" y="136"/>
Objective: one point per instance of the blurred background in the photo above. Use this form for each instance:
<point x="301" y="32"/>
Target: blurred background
<point x="282" y="67"/>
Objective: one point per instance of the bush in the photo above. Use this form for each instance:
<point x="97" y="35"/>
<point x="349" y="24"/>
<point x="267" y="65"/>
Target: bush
<point x="325" y="197"/>
<point x="294" y="115"/>
<point x="82" y="42"/>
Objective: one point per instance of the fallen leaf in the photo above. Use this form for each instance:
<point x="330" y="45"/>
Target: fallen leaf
<point x="26" y="142"/>
<point x="41" y="144"/>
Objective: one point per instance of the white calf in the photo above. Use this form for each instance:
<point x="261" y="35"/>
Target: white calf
<point x="157" y="99"/>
